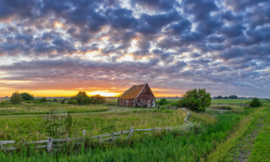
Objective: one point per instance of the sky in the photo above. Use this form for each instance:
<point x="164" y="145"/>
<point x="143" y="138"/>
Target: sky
<point x="57" y="48"/>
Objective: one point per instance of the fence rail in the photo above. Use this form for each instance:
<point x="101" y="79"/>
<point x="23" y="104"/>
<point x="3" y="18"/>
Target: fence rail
<point x="112" y="136"/>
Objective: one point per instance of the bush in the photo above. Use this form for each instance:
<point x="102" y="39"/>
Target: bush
<point x="72" y="101"/>
<point x="97" y="99"/>
<point x="63" y="100"/>
<point x="16" y="98"/>
<point x="4" y="103"/>
<point x="43" y="99"/>
<point x="55" y="100"/>
<point x="83" y="99"/>
<point x="163" y="101"/>
<point x="224" y="107"/>
<point x="255" y="102"/>
<point x="27" y="96"/>
<point x="196" y="100"/>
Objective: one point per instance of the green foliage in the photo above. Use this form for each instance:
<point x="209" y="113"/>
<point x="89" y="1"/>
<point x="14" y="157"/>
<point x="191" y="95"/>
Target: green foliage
<point x="63" y="100"/>
<point x="97" y="99"/>
<point x="83" y="99"/>
<point x="16" y="98"/>
<point x="163" y="101"/>
<point x="255" y="102"/>
<point x="224" y="107"/>
<point x="27" y="96"/>
<point x="232" y="97"/>
<point x="3" y="103"/>
<point x="55" y="100"/>
<point x="43" y="99"/>
<point x="196" y="100"/>
<point x="71" y="101"/>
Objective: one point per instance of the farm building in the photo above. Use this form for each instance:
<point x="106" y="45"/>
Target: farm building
<point x="138" y="96"/>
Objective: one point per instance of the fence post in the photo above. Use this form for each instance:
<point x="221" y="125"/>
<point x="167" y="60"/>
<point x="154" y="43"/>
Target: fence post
<point x="130" y="132"/>
<point x="84" y="132"/>
<point x="112" y="136"/>
<point x="49" y="144"/>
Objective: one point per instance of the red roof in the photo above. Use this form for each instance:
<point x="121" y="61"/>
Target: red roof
<point x="132" y="92"/>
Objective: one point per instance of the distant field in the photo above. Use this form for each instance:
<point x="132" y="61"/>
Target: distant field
<point x="45" y="108"/>
<point x="226" y="101"/>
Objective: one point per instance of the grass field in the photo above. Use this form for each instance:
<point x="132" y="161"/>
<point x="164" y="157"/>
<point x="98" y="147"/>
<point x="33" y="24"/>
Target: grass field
<point x="222" y="136"/>
<point x="31" y="127"/>
<point x="45" y="108"/>
<point x="193" y="145"/>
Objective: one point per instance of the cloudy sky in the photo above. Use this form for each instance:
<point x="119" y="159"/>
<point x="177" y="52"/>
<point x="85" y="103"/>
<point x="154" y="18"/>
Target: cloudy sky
<point x="56" y="48"/>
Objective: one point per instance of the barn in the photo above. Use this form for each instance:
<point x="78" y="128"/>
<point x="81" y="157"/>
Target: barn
<point x="138" y="96"/>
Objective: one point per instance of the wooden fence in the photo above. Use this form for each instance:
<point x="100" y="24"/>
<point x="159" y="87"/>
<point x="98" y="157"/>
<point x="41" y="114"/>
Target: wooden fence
<point x="110" y="137"/>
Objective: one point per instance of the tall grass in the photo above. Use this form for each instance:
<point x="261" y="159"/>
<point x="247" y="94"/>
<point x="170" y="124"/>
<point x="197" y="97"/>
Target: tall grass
<point x="31" y="127"/>
<point x="193" y="145"/>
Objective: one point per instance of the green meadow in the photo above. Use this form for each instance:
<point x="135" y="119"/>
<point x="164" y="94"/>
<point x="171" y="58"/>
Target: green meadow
<point x="223" y="133"/>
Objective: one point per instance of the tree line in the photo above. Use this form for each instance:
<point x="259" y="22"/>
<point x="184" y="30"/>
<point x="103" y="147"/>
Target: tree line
<point x="81" y="99"/>
<point x="226" y="97"/>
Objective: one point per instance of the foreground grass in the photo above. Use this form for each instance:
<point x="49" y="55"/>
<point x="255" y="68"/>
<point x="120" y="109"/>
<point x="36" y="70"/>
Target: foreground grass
<point x="261" y="148"/>
<point x="193" y="145"/>
<point x="230" y="150"/>
<point x="33" y="127"/>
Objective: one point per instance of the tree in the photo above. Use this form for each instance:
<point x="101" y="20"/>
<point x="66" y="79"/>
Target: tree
<point x="16" y="98"/>
<point x="219" y="97"/>
<point x="196" y="99"/>
<point x="43" y="99"/>
<point x="226" y="97"/>
<point x="82" y="98"/>
<point x="27" y="96"/>
<point x="232" y="97"/>
<point x="163" y="101"/>
<point x="255" y="102"/>
<point x="97" y="99"/>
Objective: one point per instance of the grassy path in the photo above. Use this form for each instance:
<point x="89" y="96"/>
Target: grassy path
<point x="251" y="142"/>
<point x="261" y="149"/>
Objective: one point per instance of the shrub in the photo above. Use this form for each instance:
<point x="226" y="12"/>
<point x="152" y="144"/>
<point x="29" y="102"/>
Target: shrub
<point x="4" y="103"/>
<point x="255" y="102"/>
<point x="16" y="98"/>
<point x="196" y="99"/>
<point x="82" y="98"/>
<point x="97" y="99"/>
<point x="225" y="107"/>
<point x="163" y="101"/>
<point x="27" y="96"/>
<point x="72" y="101"/>
<point x="43" y="99"/>
<point x="55" y="100"/>
<point x="63" y="100"/>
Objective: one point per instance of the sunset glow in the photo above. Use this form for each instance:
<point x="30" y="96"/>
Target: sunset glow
<point x="48" y="48"/>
